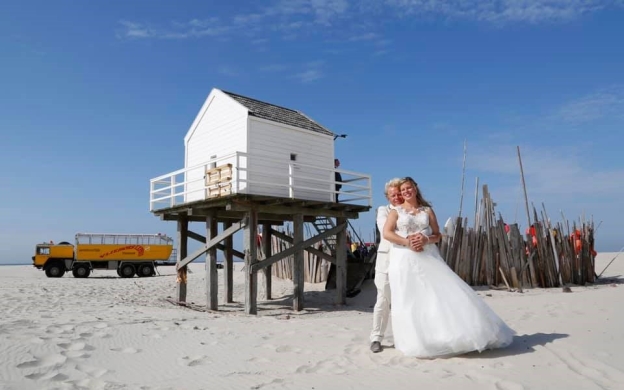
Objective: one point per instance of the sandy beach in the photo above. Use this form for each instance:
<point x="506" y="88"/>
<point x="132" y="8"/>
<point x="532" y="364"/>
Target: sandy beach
<point x="106" y="332"/>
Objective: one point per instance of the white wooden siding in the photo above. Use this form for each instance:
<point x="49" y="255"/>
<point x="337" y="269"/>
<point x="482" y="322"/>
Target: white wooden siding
<point x="277" y="141"/>
<point x="220" y="129"/>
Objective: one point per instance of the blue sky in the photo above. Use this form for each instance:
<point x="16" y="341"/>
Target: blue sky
<point x="97" y="97"/>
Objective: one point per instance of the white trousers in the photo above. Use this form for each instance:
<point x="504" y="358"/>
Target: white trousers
<point x="381" y="311"/>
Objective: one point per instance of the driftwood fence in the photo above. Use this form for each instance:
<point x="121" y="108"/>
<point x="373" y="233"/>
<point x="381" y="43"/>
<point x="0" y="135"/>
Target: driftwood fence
<point x="316" y="269"/>
<point x="494" y="253"/>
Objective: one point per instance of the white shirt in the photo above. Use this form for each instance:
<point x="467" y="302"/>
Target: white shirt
<point x="381" y="263"/>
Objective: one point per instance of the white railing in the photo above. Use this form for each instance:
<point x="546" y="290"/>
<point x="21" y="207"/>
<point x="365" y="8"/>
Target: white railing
<point x="259" y="175"/>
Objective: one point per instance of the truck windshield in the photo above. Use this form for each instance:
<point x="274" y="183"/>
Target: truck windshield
<point x="43" y="250"/>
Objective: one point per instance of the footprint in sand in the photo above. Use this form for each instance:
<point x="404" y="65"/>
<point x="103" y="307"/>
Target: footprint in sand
<point x="259" y="360"/>
<point x="126" y="350"/>
<point x="192" y="361"/>
<point x="94" y="372"/>
<point x="336" y="366"/>
<point x="76" y="346"/>
<point x="48" y="376"/>
<point x="499" y="384"/>
<point x="276" y="381"/>
<point x="287" y="348"/>
<point x="100" y="325"/>
<point x="44" y="361"/>
<point x="584" y="366"/>
<point x="506" y="385"/>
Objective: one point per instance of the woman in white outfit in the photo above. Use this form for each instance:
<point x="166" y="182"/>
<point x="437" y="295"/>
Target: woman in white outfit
<point x="434" y="312"/>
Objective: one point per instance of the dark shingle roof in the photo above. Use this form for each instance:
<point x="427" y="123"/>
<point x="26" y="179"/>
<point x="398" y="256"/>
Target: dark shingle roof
<point x="278" y="114"/>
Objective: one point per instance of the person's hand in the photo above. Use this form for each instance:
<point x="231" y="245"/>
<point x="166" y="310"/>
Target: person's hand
<point x="416" y="241"/>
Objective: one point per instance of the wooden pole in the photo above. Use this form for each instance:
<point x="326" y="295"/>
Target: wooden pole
<point x="476" y="203"/>
<point x="228" y="270"/>
<point x="461" y="197"/>
<point x="298" y="263"/>
<point x="266" y="246"/>
<point x="526" y="198"/>
<point x="341" y="262"/>
<point x="212" y="283"/>
<point x="182" y="238"/>
<point x="251" y="257"/>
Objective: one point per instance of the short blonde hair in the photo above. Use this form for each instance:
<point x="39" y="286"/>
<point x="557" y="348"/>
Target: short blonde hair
<point x="396" y="182"/>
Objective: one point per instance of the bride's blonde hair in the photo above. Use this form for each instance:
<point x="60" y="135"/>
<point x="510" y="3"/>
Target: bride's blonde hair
<point x="419" y="197"/>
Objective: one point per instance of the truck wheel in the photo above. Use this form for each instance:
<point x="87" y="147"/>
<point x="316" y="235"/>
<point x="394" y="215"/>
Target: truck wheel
<point x="145" y="270"/>
<point x="126" y="271"/>
<point x="55" y="270"/>
<point x="81" y="271"/>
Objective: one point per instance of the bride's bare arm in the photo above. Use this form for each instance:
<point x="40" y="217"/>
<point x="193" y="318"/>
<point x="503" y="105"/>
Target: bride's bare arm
<point x="390" y="227"/>
<point x="435" y="228"/>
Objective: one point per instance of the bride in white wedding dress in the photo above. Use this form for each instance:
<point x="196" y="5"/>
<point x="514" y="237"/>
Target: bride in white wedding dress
<point x="434" y="312"/>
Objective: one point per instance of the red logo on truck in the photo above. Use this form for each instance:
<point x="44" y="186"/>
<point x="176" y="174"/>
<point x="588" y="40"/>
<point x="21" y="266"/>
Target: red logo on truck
<point x="139" y="248"/>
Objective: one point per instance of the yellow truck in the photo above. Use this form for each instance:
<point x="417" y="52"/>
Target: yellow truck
<point x="128" y="254"/>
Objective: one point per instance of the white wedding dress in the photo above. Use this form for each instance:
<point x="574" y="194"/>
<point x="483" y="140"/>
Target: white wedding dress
<point x="434" y="312"/>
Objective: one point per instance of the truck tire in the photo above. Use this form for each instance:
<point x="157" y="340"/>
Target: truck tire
<point x="145" y="270"/>
<point x="126" y="270"/>
<point x="55" y="269"/>
<point x="81" y="271"/>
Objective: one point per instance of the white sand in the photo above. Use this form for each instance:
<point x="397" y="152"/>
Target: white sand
<point x="105" y="332"/>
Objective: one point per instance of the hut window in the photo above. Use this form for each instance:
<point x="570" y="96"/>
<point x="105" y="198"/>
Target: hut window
<point x="293" y="157"/>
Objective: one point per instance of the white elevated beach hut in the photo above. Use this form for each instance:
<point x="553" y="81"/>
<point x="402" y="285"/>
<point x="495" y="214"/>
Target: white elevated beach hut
<point x="260" y="149"/>
<point x="248" y="163"/>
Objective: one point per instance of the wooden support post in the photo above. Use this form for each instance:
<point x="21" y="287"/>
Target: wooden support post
<point x="182" y="238"/>
<point x="212" y="283"/>
<point x="298" y="263"/>
<point x="251" y="257"/>
<point x="341" y="262"/>
<point x="266" y="247"/>
<point x="228" y="270"/>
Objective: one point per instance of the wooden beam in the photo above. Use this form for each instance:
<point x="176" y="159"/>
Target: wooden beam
<point x="341" y="262"/>
<point x="221" y="247"/>
<point x="310" y="249"/>
<point x="197" y="237"/>
<point x="182" y="238"/>
<point x="290" y="251"/>
<point x="199" y="215"/>
<point x="266" y="247"/>
<point x="298" y="262"/>
<point x="212" y="283"/>
<point x="251" y="257"/>
<point x="236" y="253"/>
<point x="213" y="241"/>
<point x="291" y="210"/>
<point x="228" y="270"/>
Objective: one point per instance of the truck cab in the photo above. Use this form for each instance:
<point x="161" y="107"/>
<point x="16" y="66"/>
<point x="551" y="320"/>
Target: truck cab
<point x="53" y="258"/>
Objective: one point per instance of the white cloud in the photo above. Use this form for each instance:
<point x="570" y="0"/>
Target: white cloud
<point x="364" y="37"/>
<point x="321" y="16"/>
<point x="309" y="75"/>
<point x="273" y="68"/>
<point x="503" y="11"/>
<point x="564" y="171"/>
<point x="604" y="103"/>
<point x="194" y="28"/>
<point x="135" y="30"/>
<point x="228" y="71"/>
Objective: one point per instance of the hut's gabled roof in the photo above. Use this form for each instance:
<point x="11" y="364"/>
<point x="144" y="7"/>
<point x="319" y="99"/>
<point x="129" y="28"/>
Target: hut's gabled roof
<point x="278" y="114"/>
